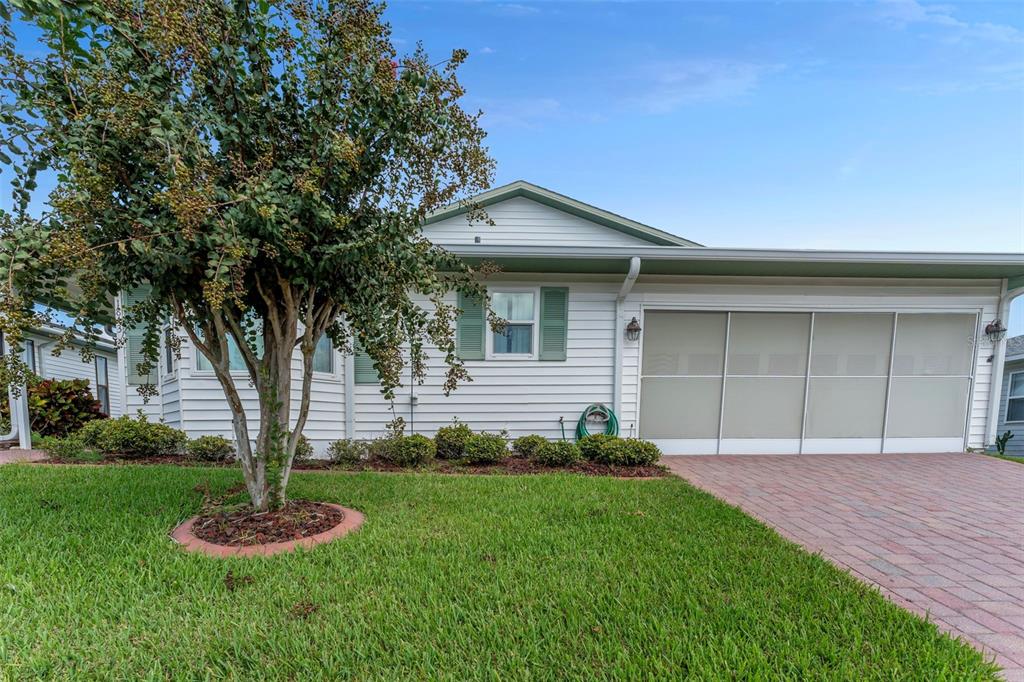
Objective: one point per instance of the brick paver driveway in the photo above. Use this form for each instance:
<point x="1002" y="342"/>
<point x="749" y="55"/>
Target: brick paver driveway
<point x="940" y="534"/>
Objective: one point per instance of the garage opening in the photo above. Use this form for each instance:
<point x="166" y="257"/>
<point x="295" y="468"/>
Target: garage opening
<point x="814" y="382"/>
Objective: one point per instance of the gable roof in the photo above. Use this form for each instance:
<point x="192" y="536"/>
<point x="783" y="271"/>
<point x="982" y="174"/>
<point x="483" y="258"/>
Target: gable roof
<point x="1015" y="347"/>
<point x="521" y="188"/>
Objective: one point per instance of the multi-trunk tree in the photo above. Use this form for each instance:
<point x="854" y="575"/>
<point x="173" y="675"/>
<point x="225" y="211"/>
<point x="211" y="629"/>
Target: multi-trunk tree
<point x="262" y="169"/>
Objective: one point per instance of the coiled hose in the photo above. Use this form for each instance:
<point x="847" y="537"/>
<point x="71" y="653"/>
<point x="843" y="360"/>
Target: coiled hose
<point x="598" y="412"/>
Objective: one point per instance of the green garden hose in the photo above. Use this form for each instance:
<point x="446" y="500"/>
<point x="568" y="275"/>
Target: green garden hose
<point x="600" y="413"/>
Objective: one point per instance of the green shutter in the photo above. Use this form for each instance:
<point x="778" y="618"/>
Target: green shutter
<point x="134" y="339"/>
<point x="365" y="372"/>
<point x="470" y="329"/>
<point x="554" y="322"/>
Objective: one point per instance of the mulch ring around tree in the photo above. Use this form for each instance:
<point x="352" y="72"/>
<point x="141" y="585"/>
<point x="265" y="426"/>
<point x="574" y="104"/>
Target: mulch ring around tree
<point x="242" y="531"/>
<point x="510" y="466"/>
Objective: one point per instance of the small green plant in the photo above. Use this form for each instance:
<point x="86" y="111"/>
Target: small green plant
<point x="409" y="451"/>
<point x="558" y="453"/>
<point x="58" y="406"/>
<point x="347" y="451"/>
<point x="129" y="437"/>
<point x="210" y="449"/>
<point x="303" y="449"/>
<point x="451" y="440"/>
<point x="1001" y="442"/>
<point x="527" y="446"/>
<point x="486" y="448"/>
<point x="628" y="452"/>
<point x="591" y="446"/>
<point x="67" y="448"/>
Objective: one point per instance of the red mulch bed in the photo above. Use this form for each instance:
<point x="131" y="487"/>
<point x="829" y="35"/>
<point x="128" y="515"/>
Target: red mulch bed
<point x="243" y="527"/>
<point x="511" y="466"/>
<point x="177" y="460"/>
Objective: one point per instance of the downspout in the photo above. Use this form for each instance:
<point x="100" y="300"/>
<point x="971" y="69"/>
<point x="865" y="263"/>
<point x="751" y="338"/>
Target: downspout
<point x="350" y="395"/>
<point x="998" y="362"/>
<point x="20" y="424"/>
<point x="627" y="286"/>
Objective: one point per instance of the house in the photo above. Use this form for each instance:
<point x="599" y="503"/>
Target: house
<point x="727" y="350"/>
<point x="1011" y="404"/>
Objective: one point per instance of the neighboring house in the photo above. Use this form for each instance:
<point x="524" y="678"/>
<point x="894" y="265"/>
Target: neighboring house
<point x="1011" y="404"/>
<point x="739" y="350"/>
<point x="102" y="371"/>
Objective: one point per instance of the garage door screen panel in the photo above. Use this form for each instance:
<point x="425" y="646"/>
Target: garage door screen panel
<point x="680" y="407"/>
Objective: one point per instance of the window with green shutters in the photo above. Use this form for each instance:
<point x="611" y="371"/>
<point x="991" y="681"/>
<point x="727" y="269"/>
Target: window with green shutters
<point x="537" y="329"/>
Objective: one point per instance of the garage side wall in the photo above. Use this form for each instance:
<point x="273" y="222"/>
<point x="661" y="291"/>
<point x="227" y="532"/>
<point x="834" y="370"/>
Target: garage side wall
<point x="818" y="295"/>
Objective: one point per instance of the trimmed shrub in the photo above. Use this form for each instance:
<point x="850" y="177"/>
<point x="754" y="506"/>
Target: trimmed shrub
<point x="133" y="437"/>
<point x="629" y="452"/>
<point x="58" y="406"/>
<point x="527" y="446"/>
<point x="486" y="448"/>
<point x="68" y="447"/>
<point x="451" y="440"/>
<point x="409" y="451"/>
<point x="347" y="451"/>
<point x="591" y="446"/>
<point x="303" y="449"/>
<point x="558" y="453"/>
<point x="210" y="449"/>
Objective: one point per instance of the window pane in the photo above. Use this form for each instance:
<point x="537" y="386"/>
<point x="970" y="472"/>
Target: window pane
<point x="517" y="338"/>
<point x="680" y="407"/>
<point x="323" y="355"/>
<point x="763" y="407"/>
<point x="934" y="344"/>
<point x="1015" y="410"/>
<point x="103" y="396"/>
<point x="851" y="344"/>
<point x="771" y="344"/>
<point x="235" y="361"/>
<point x="517" y="307"/>
<point x="683" y="343"/>
<point x="845" y="408"/>
<point x="1017" y="386"/>
<point x="923" y="407"/>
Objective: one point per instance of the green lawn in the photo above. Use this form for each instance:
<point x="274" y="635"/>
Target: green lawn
<point x="452" y="577"/>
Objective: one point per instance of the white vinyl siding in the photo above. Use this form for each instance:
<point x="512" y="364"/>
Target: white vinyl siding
<point x="1016" y="444"/>
<point x="69" y="365"/>
<point x="520" y="221"/>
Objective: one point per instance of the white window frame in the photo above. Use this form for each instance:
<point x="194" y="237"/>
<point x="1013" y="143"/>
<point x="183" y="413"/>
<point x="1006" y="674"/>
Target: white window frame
<point x="335" y="372"/>
<point x="1009" y="386"/>
<point x="489" y="353"/>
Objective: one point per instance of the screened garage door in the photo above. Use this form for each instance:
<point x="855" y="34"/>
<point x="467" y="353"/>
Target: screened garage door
<point x="773" y="382"/>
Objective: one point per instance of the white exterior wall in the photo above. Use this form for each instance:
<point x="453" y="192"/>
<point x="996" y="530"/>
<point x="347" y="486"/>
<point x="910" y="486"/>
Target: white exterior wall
<point x="522" y="396"/>
<point x="69" y="365"/>
<point x="203" y="409"/>
<point x="521" y="221"/>
<point x="768" y="294"/>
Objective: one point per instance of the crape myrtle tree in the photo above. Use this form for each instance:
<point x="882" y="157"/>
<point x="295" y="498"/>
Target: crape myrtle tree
<point x="262" y="168"/>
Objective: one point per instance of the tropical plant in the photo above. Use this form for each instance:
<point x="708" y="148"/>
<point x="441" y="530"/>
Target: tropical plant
<point x="1001" y="442"/>
<point x="258" y="172"/>
<point x="58" y="407"/>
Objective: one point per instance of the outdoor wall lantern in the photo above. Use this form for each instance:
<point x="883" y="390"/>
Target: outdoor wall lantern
<point x="633" y="330"/>
<point x="995" y="331"/>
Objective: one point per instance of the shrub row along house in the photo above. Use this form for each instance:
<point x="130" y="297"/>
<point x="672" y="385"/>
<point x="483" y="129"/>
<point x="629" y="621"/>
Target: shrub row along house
<point x="702" y="350"/>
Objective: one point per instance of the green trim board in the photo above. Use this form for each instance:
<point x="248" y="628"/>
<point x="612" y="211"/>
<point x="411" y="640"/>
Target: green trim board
<point x="521" y="188"/>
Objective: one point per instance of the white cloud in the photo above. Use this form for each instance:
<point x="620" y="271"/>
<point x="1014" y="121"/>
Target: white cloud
<point x="516" y="9"/>
<point x="486" y="50"/>
<point x="903" y="13"/>
<point x="526" y="112"/>
<point x="665" y="86"/>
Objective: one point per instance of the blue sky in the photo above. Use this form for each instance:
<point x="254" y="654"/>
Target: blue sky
<point x="892" y="125"/>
